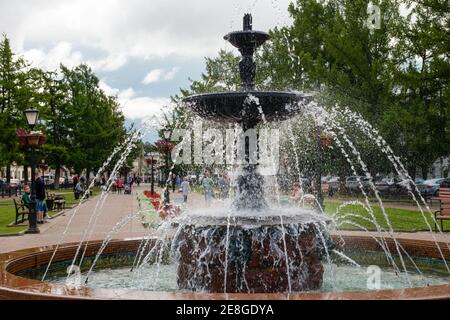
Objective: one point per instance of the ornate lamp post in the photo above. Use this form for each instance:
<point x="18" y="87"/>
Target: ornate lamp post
<point x="151" y="162"/>
<point x="165" y="147"/>
<point x="32" y="116"/>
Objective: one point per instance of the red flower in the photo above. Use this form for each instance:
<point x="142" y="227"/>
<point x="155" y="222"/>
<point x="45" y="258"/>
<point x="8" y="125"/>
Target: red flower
<point x="169" y="210"/>
<point x="164" y="146"/>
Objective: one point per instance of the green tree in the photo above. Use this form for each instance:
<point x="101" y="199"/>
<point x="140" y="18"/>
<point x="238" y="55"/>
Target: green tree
<point x="95" y="121"/>
<point x="419" y="120"/>
<point x="15" y="96"/>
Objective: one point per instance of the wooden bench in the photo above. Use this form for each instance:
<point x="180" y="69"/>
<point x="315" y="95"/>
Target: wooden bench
<point x="59" y="203"/>
<point x="21" y="210"/>
<point x="55" y="202"/>
<point x="442" y="214"/>
<point x="444" y="211"/>
<point x="443" y="195"/>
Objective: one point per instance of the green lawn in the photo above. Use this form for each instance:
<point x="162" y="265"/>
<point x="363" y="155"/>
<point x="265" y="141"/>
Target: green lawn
<point x="401" y="219"/>
<point x="8" y="213"/>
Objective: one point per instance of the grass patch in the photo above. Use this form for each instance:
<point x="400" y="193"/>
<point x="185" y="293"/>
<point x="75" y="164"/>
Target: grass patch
<point x="8" y="212"/>
<point x="400" y="219"/>
<point x="8" y="215"/>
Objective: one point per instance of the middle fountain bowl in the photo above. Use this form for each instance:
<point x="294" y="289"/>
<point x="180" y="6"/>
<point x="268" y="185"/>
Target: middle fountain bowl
<point x="230" y="107"/>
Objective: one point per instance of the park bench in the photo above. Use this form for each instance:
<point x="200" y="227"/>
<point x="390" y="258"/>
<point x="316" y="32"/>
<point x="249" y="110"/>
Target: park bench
<point x="59" y="203"/>
<point x="55" y="202"/>
<point x="444" y="211"/>
<point x="21" y="210"/>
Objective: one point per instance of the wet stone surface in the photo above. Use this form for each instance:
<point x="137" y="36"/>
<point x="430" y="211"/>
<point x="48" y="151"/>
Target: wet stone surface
<point x="256" y="259"/>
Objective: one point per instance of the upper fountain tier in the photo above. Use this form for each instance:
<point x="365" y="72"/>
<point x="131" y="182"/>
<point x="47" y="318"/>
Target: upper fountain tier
<point x="248" y="105"/>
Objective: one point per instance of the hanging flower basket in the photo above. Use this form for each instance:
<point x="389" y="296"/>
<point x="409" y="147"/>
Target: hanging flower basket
<point x="164" y="146"/>
<point x="22" y="134"/>
<point x="33" y="138"/>
<point x="326" y="140"/>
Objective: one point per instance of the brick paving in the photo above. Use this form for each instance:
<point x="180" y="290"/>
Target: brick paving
<point x="116" y="207"/>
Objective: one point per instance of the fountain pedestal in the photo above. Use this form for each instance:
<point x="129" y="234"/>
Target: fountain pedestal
<point x="255" y="261"/>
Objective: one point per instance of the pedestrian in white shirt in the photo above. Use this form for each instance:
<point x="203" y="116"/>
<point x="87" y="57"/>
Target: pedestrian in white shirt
<point x="186" y="188"/>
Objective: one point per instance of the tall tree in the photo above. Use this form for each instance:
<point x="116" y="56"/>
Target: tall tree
<point x="15" y="96"/>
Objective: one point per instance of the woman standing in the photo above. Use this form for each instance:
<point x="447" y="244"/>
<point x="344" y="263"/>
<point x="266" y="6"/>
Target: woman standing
<point x="41" y="207"/>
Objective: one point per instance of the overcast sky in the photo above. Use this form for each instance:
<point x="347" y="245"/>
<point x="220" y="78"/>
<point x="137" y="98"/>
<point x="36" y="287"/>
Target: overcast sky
<point x="143" y="51"/>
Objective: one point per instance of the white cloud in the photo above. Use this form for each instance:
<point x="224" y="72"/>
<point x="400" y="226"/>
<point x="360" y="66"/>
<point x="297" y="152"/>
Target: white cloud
<point x="50" y="32"/>
<point x="160" y="74"/>
<point x="110" y="91"/>
<point x="142" y="107"/>
<point x="133" y="106"/>
<point x="50" y="60"/>
<point x="153" y="76"/>
<point x="145" y="29"/>
<point x="171" y="74"/>
<point x="110" y="63"/>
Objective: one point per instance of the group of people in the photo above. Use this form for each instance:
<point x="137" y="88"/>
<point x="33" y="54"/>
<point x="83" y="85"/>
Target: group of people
<point x="80" y="187"/>
<point x="124" y="184"/>
<point x="40" y="192"/>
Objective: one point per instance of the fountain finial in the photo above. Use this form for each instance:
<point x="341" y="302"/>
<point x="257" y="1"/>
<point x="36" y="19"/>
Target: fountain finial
<point x="248" y="22"/>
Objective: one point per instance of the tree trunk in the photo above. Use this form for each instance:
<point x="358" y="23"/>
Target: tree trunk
<point x="25" y="174"/>
<point x="424" y="172"/>
<point x="57" y="175"/>
<point x="412" y="170"/>
<point x="8" y="173"/>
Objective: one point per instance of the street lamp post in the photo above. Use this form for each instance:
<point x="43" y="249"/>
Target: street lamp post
<point x="32" y="116"/>
<point x="151" y="161"/>
<point x="43" y="166"/>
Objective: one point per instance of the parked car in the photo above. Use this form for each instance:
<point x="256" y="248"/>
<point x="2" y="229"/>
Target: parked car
<point x="384" y="185"/>
<point x="14" y="183"/>
<point x="353" y="186"/>
<point x="49" y="179"/>
<point x="334" y="185"/>
<point x="2" y="184"/>
<point x="445" y="183"/>
<point x="431" y="187"/>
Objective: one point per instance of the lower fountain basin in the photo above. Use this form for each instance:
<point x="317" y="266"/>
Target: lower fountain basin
<point x="240" y="106"/>
<point x="257" y="254"/>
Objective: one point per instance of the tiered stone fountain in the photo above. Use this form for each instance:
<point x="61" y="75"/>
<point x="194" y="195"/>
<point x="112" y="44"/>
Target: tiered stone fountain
<point x="251" y="248"/>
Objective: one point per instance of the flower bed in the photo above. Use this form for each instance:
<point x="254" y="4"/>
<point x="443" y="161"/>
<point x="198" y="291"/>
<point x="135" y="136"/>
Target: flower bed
<point x="155" y="199"/>
<point x="169" y="211"/>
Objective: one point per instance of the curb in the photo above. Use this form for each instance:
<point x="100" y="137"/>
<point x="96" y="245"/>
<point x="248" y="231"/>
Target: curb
<point x="21" y="233"/>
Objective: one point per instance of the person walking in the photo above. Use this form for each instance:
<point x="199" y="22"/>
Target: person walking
<point x="41" y="207"/>
<point x="74" y="181"/>
<point x="174" y="182"/>
<point x="224" y="186"/>
<point x="185" y="189"/>
<point x="130" y="183"/>
<point x="119" y="186"/>
<point x="207" y="184"/>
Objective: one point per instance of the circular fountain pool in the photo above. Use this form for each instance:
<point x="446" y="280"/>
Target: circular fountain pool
<point x="21" y="271"/>
<point x="338" y="277"/>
